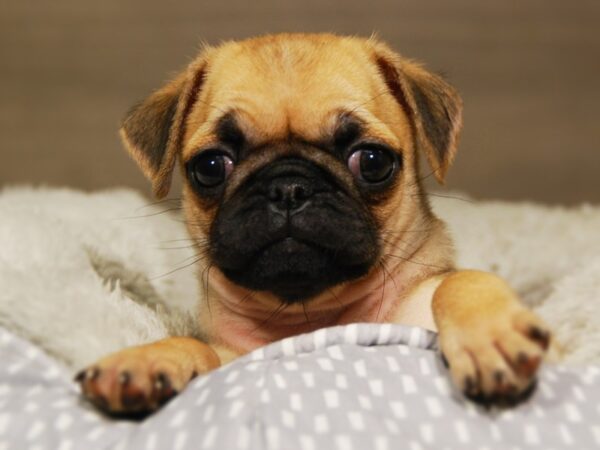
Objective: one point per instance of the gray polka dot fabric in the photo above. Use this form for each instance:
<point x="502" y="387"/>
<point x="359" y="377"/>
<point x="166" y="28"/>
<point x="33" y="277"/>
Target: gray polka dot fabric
<point x="361" y="386"/>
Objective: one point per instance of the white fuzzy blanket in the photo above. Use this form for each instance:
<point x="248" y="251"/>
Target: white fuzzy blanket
<point x="74" y="265"/>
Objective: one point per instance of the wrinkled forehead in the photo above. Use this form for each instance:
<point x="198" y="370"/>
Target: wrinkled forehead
<point x="290" y="89"/>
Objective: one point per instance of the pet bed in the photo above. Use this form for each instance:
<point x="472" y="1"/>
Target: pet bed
<point x="361" y="386"/>
<point x="86" y="274"/>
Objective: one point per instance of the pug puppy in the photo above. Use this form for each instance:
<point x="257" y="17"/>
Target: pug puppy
<point x="303" y="196"/>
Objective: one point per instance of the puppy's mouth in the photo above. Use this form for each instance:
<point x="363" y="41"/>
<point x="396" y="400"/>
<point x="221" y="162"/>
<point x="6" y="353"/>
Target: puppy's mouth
<point x="293" y="232"/>
<point x="294" y="270"/>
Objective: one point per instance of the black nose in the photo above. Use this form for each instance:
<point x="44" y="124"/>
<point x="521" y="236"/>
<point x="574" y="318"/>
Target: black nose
<point x="290" y="194"/>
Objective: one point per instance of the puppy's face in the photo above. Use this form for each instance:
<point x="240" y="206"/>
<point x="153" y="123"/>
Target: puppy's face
<point x="299" y="156"/>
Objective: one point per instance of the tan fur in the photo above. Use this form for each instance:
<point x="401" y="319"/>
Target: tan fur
<point x="476" y="312"/>
<point x="296" y="85"/>
<point x="146" y="376"/>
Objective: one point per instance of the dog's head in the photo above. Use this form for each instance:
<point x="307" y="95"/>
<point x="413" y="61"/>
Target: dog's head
<point x="299" y="154"/>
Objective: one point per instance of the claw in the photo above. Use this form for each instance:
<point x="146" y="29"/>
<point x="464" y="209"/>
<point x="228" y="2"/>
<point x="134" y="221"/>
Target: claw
<point x="470" y="386"/>
<point x="499" y="377"/>
<point x="163" y="389"/>
<point x="540" y="335"/>
<point x="527" y="365"/>
<point x="80" y="376"/>
<point x="90" y="374"/>
<point x="162" y="382"/>
<point x="132" y="399"/>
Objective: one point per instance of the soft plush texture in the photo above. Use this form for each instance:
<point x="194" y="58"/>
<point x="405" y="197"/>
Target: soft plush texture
<point x="79" y="270"/>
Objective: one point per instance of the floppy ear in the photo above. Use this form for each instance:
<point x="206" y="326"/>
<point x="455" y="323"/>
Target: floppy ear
<point x="152" y="130"/>
<point x="434" y="107"/>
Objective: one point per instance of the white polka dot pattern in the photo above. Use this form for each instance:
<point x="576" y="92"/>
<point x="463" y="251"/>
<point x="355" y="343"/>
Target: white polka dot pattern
<point x="354" y="387"/>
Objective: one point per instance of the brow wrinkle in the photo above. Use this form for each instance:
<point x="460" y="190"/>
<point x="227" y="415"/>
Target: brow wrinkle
<point x="229" y="132"/>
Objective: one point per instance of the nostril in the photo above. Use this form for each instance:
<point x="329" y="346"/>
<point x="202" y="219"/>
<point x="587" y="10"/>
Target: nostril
<point x="275" y="193"/>
<point x="299" y="192"/>
<point x="289" y="194"/>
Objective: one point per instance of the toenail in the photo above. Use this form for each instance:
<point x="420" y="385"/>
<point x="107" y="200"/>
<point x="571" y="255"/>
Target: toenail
<point x="133" y="400"/>
<point x="80" y="377"/>
<point x="540" y="335"/>
<point x="499" y="376"/>
<point x="469" y="384"/>
<point x="162" y="382"/>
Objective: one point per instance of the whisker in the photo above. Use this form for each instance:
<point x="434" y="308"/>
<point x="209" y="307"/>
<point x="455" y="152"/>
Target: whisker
<point x="148" y="215"/>
<point x="247" y="296"/>
<point x="305" y="312"/>
<point x="176" y="248"/>
<point x="384" y="268"/>
<point x="395" y="232"/>
<point x="177" y="240"/>
<point x="278" y="310"/>
<point x="337" y="299"/>
<point x="433" y="172"/>
<point x="360" y="105"/>
<point x="415" y="262"/>
<point x="198" y="259"/>
<point x="431" y="194"/>
<point x="159" y="202"/>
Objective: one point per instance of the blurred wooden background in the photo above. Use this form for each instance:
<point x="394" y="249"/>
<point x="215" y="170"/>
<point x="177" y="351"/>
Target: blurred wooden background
<point x="529" y="72"/>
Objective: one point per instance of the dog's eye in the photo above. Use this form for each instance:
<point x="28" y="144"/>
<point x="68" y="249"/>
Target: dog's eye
<point x="210" y="168"/>
<point x="372" y="165"/>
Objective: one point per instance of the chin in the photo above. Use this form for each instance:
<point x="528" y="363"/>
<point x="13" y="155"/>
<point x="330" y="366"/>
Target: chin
<point x="295" y="271"/>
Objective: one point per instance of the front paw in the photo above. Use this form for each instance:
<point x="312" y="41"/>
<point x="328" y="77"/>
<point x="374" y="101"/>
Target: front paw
<point x="139" y="380"/>
<point x="495" y="362"/>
